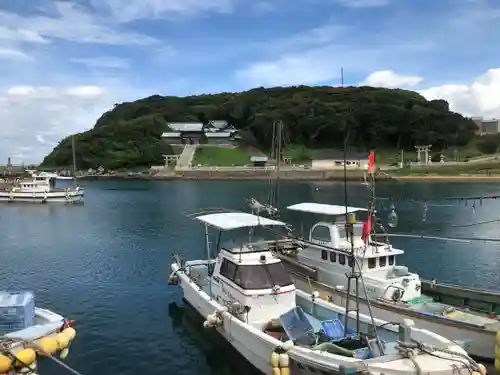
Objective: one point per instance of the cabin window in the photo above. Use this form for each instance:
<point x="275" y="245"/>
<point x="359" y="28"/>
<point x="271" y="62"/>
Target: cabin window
<point x="342" y="232"/>
<point x="321" y="233"/>
<point x="350" y="261"/>
<point x="260" y="276"/>
<point x="324" y="254"/>
<point x="372" y="262"/>
<point x="228" y="269"/>
<point x="342" y="259"/>
<point x="382" y="262"/>
<point x="333" y="256"/>
<point x="391" y="260"/>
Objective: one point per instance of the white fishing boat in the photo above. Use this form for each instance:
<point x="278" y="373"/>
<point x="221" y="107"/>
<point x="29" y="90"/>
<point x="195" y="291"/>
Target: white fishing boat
<point x="247" y="296"/>
<point x="35" y="173"/>
<point x="28" y="333"/>
<point x="320" y="262"/>
<point x="39" y="188"/>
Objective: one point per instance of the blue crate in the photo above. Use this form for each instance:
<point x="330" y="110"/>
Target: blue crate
<point x="334" y="329"/>
<point x="17" y="311"/>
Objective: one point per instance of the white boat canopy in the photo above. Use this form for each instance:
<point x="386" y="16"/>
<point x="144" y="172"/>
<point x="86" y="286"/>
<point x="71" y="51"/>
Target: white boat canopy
<point x="235" y="220"/>
<point x="324" y="209"/>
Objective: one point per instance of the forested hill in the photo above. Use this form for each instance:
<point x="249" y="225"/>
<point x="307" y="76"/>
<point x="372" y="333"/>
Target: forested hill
<point x="376" y="118"/>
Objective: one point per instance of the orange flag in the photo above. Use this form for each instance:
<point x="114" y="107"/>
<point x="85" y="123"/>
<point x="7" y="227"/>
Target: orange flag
<point x="371" y="161"/>
<point x="367" y="227"/>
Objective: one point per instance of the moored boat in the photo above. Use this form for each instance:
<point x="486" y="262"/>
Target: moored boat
<point x="39" y="189"/>
<point x="482" y="300"/>
<point x="320" y="263"/>
<point x="247" y="296"/>
<point x="29" y="333"/>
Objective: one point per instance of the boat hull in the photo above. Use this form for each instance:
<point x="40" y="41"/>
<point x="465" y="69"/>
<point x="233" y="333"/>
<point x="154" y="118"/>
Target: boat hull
<point x="476" y="299"/>
<point x="480" y="342"/>
<point x="69" y="197"/>
<point x="250" y="347"/>
<point x="256" y="346"/>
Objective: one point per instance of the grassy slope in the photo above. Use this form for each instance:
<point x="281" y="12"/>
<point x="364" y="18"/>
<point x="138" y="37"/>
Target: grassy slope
<point x="222" y="156"/>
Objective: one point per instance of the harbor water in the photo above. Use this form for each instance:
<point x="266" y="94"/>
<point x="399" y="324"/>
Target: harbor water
<point x="106" y="263"/>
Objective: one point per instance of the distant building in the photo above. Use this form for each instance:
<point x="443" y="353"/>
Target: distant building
<point x="487" y="126"/>
<point x="334" y="159"/>
<point x="215" y="132"/>
<point x="259" y="161"/>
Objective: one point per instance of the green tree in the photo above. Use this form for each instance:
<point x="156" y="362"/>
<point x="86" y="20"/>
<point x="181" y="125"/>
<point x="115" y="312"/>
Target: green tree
<point x="129" y="134"/>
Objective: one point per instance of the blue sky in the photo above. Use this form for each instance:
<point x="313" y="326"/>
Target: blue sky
<point x="63" y="63"/>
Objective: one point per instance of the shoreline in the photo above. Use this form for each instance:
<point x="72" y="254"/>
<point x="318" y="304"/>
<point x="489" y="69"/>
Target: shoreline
<point x="297" y="176"/>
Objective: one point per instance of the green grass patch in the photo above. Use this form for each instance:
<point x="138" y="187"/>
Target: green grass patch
<point x="221" y="156"/>
<point x="297" y="153"/>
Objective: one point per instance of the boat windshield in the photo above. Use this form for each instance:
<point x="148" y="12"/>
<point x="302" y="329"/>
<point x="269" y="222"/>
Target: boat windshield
<point x="259" y="276"/>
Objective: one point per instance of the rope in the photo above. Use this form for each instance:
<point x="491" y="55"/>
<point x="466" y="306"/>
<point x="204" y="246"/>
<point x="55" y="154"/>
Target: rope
<point x="410" y="354"/>
<point x="405" y="348"/>
<point x="476" y="223"/>
<point x="444" y="198"/>
<point x="425" y="237"/>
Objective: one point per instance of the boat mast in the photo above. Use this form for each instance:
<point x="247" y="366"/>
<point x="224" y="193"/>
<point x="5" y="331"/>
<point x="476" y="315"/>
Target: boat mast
<point x="276" y="154"/>
<point x="350" y="220"/>
<point x="74" y="158"/>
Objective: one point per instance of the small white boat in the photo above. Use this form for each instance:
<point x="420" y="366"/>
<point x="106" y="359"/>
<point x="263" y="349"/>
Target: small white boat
<point x="40" y="188"/>
<point x="35" y="173"/>
<point x="248" y="297"/>
<point x="321" y="262"/>
<point x="43" y="332"/>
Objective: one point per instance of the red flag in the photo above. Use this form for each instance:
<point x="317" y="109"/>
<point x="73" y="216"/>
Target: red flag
<point x="371" y="161"/>
<point x="367" y="227"/>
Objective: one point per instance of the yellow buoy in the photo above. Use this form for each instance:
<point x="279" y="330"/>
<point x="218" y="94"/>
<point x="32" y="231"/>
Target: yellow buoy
<point x="64" y="353"/>
<point x="26" y="356"/>
<point x="351" y="218"/>
<point x="275" y="359"/>
<point x="5" y="363"/>
<point x="62" y="340"/>
<point x="70" y="332"/>
<point x="285" y="371"/>
<point x="497" y="364"/>
<point x="276" y="371"/>
<point x="48" y="345"/>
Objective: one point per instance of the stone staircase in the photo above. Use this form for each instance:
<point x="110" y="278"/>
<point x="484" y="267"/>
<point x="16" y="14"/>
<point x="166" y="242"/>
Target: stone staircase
<point x="186" y="157"/>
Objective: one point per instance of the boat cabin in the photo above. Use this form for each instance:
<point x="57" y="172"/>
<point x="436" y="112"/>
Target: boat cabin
<point x="329" y="251"/>
<point x="249" y="274"/>
<point x="36" y="184"/>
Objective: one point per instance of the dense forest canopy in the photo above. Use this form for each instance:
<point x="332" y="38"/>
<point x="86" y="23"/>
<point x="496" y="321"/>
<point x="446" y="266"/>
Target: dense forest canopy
<point x="314" y="117"/>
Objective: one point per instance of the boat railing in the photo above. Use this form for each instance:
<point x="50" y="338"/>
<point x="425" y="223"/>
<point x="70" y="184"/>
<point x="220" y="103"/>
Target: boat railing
<point x="192" y="214"/>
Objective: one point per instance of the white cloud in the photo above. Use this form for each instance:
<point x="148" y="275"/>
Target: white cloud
<point x="481" y="97"/>
<point x="389" y="79"/>
<point x="364" y="3"/>
<point x="14" y="54"/>
<point x="68" y="21"/>
<point x="102" y="62"/>
<point x="40" y="139"/>
<point x="131" y="10"/>
<point x="35" y="119"/>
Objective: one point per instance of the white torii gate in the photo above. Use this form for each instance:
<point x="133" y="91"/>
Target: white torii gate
<point x="424" y="149"/>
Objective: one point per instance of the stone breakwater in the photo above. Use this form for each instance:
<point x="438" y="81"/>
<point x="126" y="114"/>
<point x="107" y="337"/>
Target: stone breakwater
<point x="305" y="175"/>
